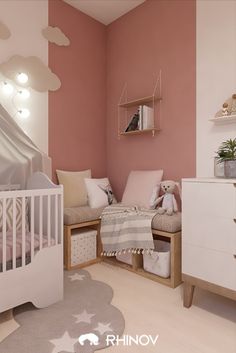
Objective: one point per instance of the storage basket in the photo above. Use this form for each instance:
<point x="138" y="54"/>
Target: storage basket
<point x="159" y="261"/>
<point x="83" y="246"/>
<point x="126" y="258"/>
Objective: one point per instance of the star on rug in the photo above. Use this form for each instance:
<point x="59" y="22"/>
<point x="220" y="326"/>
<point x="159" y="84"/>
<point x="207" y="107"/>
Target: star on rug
<point x="102" y="328"/>
<point x="84" y="317"/>
<point x="77" y="277"/>
<point x="64" y="344"/>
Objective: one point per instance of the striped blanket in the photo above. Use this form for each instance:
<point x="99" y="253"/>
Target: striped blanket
<point x="126" y="229"/>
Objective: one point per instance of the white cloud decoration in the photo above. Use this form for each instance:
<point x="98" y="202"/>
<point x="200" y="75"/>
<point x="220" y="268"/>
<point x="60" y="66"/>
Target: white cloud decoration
<point x="55" y="35"/>
<point x="40" y="77"/>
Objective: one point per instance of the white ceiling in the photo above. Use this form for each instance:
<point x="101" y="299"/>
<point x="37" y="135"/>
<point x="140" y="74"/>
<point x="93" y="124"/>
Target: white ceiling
<point x="105" y="11"/>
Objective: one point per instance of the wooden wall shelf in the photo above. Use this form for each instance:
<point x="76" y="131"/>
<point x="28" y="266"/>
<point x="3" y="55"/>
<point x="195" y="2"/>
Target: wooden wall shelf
<point x="139" y="132"/>
<point x="139" y="101"/>
<point x="127" y="109"/>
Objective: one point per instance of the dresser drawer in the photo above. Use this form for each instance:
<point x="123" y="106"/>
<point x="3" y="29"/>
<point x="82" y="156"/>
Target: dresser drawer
<point x="210" y="232"/>
<point x="209" y="199"/>
<point x="209" y="265"/>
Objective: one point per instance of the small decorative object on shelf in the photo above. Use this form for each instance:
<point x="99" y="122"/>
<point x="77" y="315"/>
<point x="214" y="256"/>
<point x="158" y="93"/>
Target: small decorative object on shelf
<point x="225" y="161"/>
<point x="147" y="117"/>
<point x="134" y="123"/>
<point x="233" y="105"/>
<point x="142" y="115"/>
<point x="227" y="114"/>
<point x="225" y="110"/>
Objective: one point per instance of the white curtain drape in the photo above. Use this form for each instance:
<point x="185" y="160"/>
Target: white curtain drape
<point x="19" y="157"/>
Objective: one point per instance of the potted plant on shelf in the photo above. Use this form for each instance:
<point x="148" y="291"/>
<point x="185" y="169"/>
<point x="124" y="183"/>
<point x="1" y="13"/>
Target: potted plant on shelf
<point x="225" y="165"/>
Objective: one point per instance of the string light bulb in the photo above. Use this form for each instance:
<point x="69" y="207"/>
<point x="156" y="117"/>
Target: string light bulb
<point x="23" y="113"/>
<point x="7" y="88"/>
<point x="22" y="77"/>
<point x="23" y="93"/>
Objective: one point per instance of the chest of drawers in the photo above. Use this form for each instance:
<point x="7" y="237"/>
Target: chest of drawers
<point x="209" y="236"/>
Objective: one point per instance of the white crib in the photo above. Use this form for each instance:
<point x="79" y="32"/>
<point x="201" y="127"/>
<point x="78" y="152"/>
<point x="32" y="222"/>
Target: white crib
<point x="31" y="261"/>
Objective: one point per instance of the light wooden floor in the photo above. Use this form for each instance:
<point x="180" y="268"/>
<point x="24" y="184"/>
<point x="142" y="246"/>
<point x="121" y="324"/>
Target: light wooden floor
<point x="209" y="326"/>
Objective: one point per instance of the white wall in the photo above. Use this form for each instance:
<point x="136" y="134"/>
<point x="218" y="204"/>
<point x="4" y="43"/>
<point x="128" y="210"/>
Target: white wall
<point x="216" y="76"/>
<point x="26" y="19"/>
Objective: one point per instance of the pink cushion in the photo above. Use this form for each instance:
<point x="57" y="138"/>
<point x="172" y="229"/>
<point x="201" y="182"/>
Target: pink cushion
<point x="140" y="186"/>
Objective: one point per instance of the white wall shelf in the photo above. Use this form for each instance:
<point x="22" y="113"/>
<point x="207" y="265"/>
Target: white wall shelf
<point x="224" y="119"/>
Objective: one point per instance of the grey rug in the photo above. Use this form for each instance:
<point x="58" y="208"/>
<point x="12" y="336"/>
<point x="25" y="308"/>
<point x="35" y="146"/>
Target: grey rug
<point x="78" y="324"/>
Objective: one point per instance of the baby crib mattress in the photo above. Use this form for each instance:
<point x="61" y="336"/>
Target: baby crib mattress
<point x="9" y="245"/>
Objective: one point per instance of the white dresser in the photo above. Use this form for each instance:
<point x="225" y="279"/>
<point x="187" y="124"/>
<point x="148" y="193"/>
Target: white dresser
<point x="209" y="236"/>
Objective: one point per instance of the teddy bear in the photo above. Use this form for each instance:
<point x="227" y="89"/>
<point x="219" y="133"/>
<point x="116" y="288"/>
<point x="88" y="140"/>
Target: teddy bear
<point x="169" y="204"/>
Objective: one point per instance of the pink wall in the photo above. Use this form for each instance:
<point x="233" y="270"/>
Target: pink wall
<point x="77" y="110"/>
<point x="156" y="35"/>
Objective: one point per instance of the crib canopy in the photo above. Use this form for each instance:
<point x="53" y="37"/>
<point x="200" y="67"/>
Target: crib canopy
<point x="19" y="157"/>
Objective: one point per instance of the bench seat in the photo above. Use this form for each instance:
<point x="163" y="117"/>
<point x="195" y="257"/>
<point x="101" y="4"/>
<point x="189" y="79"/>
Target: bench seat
<point x="76" y="215"/>
<point x="164" y="227"/>
<point x="83" y="214"/>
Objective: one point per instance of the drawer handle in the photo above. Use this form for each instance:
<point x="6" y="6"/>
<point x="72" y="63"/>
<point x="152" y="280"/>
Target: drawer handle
<point x="234" y="220"/>
<point x="234" y="256"/>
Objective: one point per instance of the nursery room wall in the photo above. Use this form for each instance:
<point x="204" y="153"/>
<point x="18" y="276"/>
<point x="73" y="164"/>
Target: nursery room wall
<point x="139" y="44"/>
<point x="25" y="20"/>
<point x="216" y="77"/>
<point x="77" y="136"/>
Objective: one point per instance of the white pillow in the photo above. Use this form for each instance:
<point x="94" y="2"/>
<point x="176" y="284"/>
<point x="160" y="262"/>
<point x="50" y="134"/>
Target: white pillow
<point x="99" y="192"/>
<point x="141" y="187"/>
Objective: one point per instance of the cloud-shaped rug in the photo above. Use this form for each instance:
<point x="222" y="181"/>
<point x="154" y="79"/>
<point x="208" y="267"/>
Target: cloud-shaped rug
<point x="78" y="324"/>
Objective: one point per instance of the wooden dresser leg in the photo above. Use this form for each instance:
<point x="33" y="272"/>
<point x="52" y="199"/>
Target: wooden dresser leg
<point x="188" y="294"/>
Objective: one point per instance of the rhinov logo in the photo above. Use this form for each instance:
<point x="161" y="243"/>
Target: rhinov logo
<point x="127" y="340"/>
<point x="91" y="337"/>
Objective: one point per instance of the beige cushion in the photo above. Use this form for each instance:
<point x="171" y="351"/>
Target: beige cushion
<point x="170" y="224"/>
<point x="75" y="192"/>
<point x="76" y="215"/>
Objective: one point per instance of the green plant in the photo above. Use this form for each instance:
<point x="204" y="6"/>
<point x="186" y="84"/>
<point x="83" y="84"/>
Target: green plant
<point x="227" y="151"/>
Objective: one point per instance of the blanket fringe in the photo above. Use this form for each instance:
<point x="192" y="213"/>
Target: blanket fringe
<point x="128" y="251"/>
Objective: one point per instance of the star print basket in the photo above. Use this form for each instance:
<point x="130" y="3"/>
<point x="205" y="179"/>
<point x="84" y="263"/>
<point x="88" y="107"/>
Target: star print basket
<point x="83" y="246"/>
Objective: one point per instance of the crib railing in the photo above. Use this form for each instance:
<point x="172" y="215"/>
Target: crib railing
<point x="30" y="220"/>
